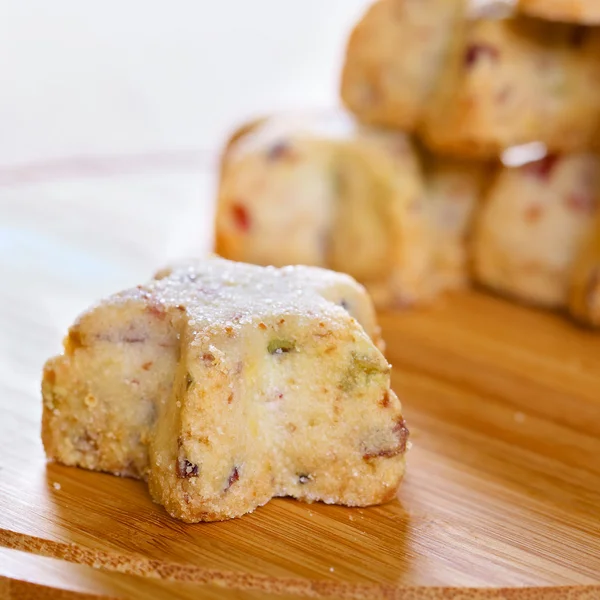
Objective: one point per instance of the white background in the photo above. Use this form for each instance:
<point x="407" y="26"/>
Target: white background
<point x="116" y="77"/>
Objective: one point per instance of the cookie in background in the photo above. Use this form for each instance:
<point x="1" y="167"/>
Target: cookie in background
<point x="585" y="12"/>
<point x="515" y="81"/>
<point x="532" y="224"/>
<point x="320" y="189"/>
<point x="584" y="292"/>
<point x="394" y="58"/>
<point x="454" y="191"/>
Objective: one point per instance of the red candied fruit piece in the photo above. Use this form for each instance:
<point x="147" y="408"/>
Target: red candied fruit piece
<point x="233" y="477"/>
<point x="280" y="150"/>
<point x="542" y="169"/>
<point x="240" y="216"/>
<point x="477" y="51"/>
<point x="402" y="432"/>
<point x="185" y="469"/>
<point x="582" y="203"/>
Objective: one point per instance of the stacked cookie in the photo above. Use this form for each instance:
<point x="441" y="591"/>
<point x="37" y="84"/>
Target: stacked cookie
<point x="321" y="189"/>
<point x="519" y="91"/>
<point x="474" y="86"/>
<point x="572" y="11"/>
<point x="469" y="156"/>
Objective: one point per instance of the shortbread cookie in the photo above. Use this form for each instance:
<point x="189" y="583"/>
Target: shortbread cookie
<point x="532" y="225"/>
<point x="517" y="81"/>
<point x="276" y="195"/>
<point x="584" y="292"/>
<point x="454" y="191"/>
<point x="225" y="385"/>
<point x="585" y="12"/>
<point x="320" y="190"/>
<point x="394" y="58"/>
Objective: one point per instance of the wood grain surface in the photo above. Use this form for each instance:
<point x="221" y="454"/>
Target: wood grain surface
<point x="501" y="498"/>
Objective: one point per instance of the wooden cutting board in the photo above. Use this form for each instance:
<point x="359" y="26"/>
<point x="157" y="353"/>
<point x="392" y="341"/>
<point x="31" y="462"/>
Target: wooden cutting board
<point x="502" y="494"/>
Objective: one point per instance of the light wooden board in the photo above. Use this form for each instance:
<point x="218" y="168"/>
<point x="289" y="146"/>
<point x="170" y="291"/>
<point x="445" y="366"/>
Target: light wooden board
<point x="502" y="494"/>
<point x="26" y="576"/>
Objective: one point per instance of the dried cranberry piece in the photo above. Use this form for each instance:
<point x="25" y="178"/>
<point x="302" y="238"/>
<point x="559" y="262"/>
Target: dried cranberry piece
<point x="542" y="169"/>
<point x="581" y="203"/>
<point x="186" y="469"/>
<point x="280" y="150"/>
<point x="385" y="453"/>
<point x="240" y="216"/>
<point x="402" y="432"/>
<point x="477" y="51"/>
<point x="233" y="477"/>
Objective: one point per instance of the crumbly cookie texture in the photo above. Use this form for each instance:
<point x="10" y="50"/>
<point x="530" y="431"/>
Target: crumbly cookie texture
<point x="532" y="225"/>
<point x="394" y="57"/>
<point x="314" y="188"/>
<point x="584" y="289"/>
<point x="225" y="385"/>
<point x="584" y="12"/>
<point x="515" y="81"/>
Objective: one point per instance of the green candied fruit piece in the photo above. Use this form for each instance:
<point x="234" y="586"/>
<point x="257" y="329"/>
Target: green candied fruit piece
<point x="280" y="346"/>
<point x="366" y="364"/>
<point x="361" y="366"/>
